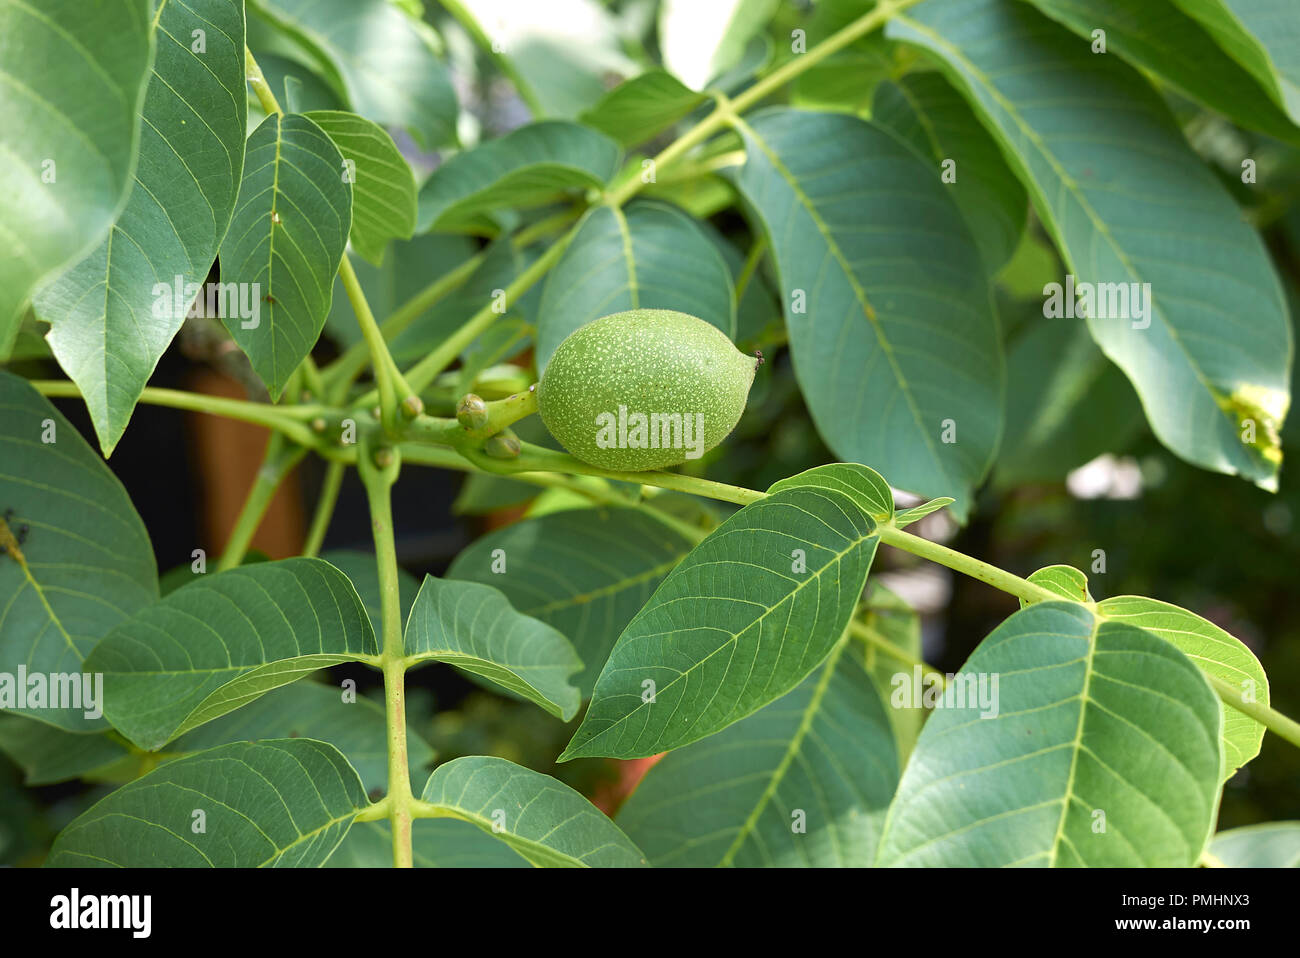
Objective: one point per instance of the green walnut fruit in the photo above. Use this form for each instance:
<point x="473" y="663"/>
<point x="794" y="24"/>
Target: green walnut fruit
<point x="644" y="389"/>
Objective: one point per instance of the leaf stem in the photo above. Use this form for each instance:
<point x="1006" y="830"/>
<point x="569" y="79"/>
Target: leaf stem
<point x="329" y="497"/>
<point x="341" y="373"/>
<point x="1273" y="720"/>
<point x="378" y="478"/>
<point x="284" y="419"/>
<point x="392" y="387"/>
<point x="533" y="458"/>
<point x="257" y="80"/>
<point x="998" y="578"/>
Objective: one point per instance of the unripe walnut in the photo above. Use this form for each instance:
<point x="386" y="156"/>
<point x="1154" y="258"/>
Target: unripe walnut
<point x="644" y="389"/>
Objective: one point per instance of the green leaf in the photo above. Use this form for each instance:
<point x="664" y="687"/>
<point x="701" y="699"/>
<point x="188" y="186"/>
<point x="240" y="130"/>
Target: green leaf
<point x="474" y="627"/>
<point x="926" y="112"/>
<point x="114" y="313"/>
<point x="1261" y="35"/>
<point x="86" y="563"/>
<point x="312" y="710"/>
<point x="1216" y="652"/>
<point x="892" y="332"/>
<point x="561" y="54"/>
<point x="822" y="755"/>
<point x="1128" y="202"/>
<point x="589" y="592"/>
<point x="383" y="187"/>
<point x="435" y="843"/>
<point x="382" y="60"/>
<point x="1090" y="718"/>
<point x="701" y="41"/>
<point x="1271" y="845"/>
<point x="1156" y="35"/>
<point x="527" y="167"/>
<point x="907" y="516"/>
<point x="866" y="487"/>
<point x="362" y="570"/>
<point x="641" y="108"/>
<point x="220" y="642"/>
<point x="541" y="818"/>
<point x="1066" y="403"/>
<point x="47" y="754"/>
<point x="288" y="234"/>
<point x="284" y="802"/>
<point x="649" y="256"/>
<point x="1065" y="580"/>
<point x="741" y="621"/>
<point x="71" y="130"/>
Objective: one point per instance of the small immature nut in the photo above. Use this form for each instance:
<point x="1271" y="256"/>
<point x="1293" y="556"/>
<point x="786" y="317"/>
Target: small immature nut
<point x="412" y="406"/>
<point x="644" y="389"/>
<point x="504" y="445"/>
<point x="472" y="412"/>
<point x="383" y="457"/>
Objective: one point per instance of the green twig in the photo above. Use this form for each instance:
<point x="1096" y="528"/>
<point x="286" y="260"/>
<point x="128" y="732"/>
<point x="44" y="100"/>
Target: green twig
<point x="284" y="419"/>
<point x="329" y="497"/>
<point x="378" y="467"/>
